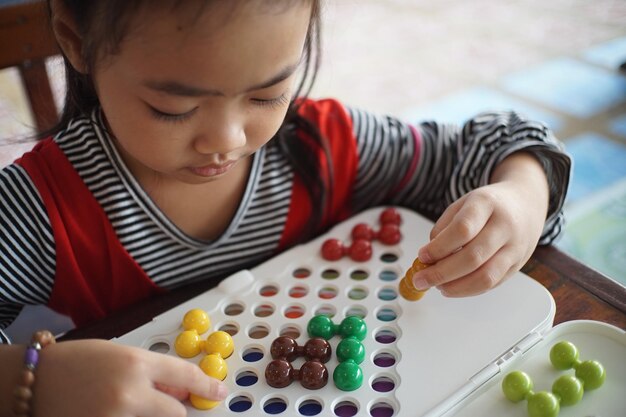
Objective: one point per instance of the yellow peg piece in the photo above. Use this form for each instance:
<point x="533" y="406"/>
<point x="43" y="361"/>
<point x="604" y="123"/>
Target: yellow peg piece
<point x="197" y="319"/>
<point x="188" y="344"/>
<point x="202" y="403"/>
<point x="406" y="287"/>
<point x="219" y="342"/>
<point x="214" y="366"/>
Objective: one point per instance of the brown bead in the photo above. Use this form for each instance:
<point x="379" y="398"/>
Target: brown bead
<point x="284" y="347"/>
<point x="22" y="393"/>
<point x="279" y="373"/>
<point x="27" y="378"/>
<point x="313" y="375"/>
<point x="21" y="407"/>
<point x="43" y="337"/>
<point x="317" y="348"/>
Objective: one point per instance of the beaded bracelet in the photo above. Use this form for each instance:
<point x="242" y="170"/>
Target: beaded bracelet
<point x="24" y="390"/>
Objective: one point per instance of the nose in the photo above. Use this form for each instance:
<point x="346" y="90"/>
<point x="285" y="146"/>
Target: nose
<point x="220" y="134"/>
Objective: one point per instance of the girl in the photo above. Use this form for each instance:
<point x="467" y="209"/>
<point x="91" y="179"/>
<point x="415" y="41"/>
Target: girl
<point x="187" y="151"/>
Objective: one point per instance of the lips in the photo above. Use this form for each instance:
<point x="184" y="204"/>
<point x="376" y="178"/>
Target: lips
<point x="212" y="170"/>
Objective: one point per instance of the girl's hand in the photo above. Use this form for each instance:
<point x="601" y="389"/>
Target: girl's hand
<point x="489" y="233"/>
<point x="99" y="378"/>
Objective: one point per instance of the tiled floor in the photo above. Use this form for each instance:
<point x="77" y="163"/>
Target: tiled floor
<point x="449" y="59"/>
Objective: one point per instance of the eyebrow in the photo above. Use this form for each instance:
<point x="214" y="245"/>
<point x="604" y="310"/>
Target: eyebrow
<point x="178" y="89"/>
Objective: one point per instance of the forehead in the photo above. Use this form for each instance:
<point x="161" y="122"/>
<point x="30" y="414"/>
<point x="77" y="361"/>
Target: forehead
<point x="220" y="45"/>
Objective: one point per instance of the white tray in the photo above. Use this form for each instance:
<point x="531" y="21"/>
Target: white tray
<point x="445" y="350"/>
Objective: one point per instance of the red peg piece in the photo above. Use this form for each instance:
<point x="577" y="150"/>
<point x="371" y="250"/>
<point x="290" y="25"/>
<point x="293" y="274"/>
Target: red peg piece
<point x="390" y="215"/>
<point x="363" y="231"/>
<point x="389" y="234"/>
<point x="332" y="249"/>
<point x="360" y="250"/>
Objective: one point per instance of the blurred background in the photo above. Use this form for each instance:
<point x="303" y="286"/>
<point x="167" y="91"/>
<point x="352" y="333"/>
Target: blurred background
<point x="556" y="61"/>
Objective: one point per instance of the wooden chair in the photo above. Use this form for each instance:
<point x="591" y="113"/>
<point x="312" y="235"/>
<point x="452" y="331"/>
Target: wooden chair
<point x="26" y="40"/>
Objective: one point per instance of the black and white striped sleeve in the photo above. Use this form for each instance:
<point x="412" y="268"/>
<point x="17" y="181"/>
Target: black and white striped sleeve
<point x="27" y="265"/>
<point x="490" y="137"/>
<point x="430" y="167"/>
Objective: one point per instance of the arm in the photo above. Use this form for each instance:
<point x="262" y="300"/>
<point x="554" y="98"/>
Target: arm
<point x="97" y="378"/>
<point x="512" y="200"/>
<point x="485" y="163"/>
<point x="496" y="227"/>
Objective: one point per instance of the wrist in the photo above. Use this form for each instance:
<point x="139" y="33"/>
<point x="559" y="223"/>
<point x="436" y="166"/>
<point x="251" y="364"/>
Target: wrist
<point x="11" y="363"/>
<point x="525" y="172"/>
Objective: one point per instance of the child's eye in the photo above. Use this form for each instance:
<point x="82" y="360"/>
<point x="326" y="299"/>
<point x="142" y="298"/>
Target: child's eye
<point x="272" y="102"/>
<point x="171" y="117"/>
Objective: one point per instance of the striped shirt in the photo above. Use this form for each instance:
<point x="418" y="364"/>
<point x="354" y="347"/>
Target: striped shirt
<point x="424" y="167"/>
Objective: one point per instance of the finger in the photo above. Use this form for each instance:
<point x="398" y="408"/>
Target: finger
<point x="490" y="275"/>
<point x="178" y="393"/>
<point x="465" y="225"/>
<point x="159" y="404"/>
<point x="444" y="220"/>
<point x="471" y="257"/>
<point x="179" y="374"/>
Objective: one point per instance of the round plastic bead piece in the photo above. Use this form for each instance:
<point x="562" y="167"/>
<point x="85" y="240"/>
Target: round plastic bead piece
<point x="408" y="291"/>
<point x="516" y="385"/>
<point x="332" y="249"/>
<point x="389" y="234"/>
<point x="564" y="355"/>
<point x="406" y="288"/>
<point x="196" y="319"/>
<point x="353" y="326"/>
<point x="348" y="376"/>
<point x="543" y="404"/>
<point x="221" y="343"/>
<point x="350" y="349"/>
<point x="569" y="389"/>
<point x="188" y="344"/>
<point x="592" y="374"/>
<point x="363" y="231"/>
<point x="279" y="373"/>
<point x="390" y="215"/>
<point x="313" y="375"/>
<point x="321" y="326"/>
<point x="202" y="403"/>
<point x="214" y="366"/>
<point x="360" y="250"/>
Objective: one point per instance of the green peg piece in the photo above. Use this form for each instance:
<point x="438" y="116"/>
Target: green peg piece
<point x="321" y="326"/>
<point x="516" y="385"/>
<point x="353" y="326"/>
<point x="568" y="389"/>
<point x="591" y="373"/>
<point x="350" y="349"/>
<point x="543" y="404"/>
<point x="348" y="376"/>
<point x="564" y="355"/>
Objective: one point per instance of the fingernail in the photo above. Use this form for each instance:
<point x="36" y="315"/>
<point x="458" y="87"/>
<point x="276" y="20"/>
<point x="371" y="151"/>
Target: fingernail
<point x="222" y="392"/>
<point x="424" y="256"/>
<point x="420" y="283"/>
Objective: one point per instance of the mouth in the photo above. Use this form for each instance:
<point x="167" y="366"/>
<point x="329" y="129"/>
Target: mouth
<point x="212" y="170"/>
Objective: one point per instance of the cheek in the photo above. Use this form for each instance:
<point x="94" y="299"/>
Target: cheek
<point x="264" y="126"/>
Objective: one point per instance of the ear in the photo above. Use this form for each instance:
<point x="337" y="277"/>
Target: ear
<point x="67" y="35"/>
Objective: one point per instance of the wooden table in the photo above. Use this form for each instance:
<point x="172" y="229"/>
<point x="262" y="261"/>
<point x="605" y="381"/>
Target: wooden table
<point x="580" y="294"/>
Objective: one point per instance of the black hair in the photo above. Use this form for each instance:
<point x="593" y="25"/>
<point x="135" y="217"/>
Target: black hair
<point x="102" y="24"/>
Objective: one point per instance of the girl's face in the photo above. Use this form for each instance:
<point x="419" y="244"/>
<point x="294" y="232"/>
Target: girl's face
<point x="188" y="97"/>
